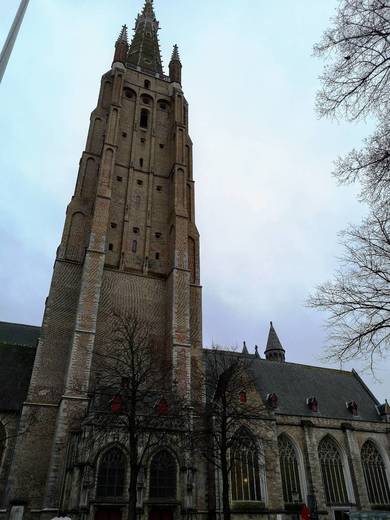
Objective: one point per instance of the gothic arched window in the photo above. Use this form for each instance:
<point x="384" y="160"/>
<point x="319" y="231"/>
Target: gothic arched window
<point x="289" y="471"/>
<point x="163" y="469"/>
<point x="111" y="476"/>
<point x="245" y="473"/>
<point x="332" y="472"/>
<point x="375" y="474"/>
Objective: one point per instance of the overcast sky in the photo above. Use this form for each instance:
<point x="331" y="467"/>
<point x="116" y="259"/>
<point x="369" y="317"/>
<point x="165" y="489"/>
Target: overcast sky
<point x="268" y="209"/>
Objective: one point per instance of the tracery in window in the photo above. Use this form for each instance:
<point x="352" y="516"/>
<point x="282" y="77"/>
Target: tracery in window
<point x="111" y="476"/>
<point x="289" y="471"/>
<point x="163" y="469"/>
<point x="332" y="472"/>
<point x="245" y="473"/>
<point x="375" y="474"/>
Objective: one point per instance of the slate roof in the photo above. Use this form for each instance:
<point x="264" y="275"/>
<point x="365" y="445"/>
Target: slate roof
<point x="16" y="334"/>
<point x="17" y="353"/>
<point x="294" y="383"/>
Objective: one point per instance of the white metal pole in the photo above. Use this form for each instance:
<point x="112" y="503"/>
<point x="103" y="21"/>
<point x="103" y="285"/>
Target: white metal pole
<point x="11" y="38"/>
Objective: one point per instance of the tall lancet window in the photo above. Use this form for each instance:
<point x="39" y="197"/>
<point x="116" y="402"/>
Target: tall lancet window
<point x="375" y="474"/>
<point x="289" y="471"/>
<point x="111" y="476"/>
<point x="332" y="472"/>
<point x="163" y="470"/>
<point x="245" y="473"/>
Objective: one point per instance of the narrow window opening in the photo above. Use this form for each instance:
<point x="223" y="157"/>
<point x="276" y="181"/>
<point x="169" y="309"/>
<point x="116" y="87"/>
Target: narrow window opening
<point x="147" y="83"/>
<point x="143" y="139"/>
<point x="163" y="106"/>
<point x="146" y="100"/>
<point x="124" y="134"/>
<point x="134" y="246"/>
<point x="119" y="179"/>
<point x="113" y="225"/>
<point x="141" y="162"/>
<point x="159" y="188"/>
<point x="161" y="146"/>
<point x="111" y="247"/>
<point x="144" y="118"/>
<point x="136" y="230"/>
<point x="157" y="256"/>
<point x="139" y="182"/>
<point x="158" y="235"/>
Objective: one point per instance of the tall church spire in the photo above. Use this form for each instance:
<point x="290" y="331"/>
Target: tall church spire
<point x="145" y="49"/>
<point x="274" y="350"/>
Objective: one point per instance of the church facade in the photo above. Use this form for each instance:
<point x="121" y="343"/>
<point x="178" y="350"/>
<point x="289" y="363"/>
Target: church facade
<point x="130" y="245"/>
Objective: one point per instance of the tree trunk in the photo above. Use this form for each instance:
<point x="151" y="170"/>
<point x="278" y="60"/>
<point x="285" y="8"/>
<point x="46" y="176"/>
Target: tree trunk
<point x="224" y="461"/>
<point x="225" y="490"/>
<point x="132" y="512"/>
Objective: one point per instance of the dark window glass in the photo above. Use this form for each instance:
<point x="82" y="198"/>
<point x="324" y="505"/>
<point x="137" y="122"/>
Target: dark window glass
<point x="375" y="475"/>
<point x="111" y="476"/>
<point x="289" y="471"/>
<point x="245" y="474"/>
<point x="147" y="83"/>
<point x="163" y="475"/>
<point x="332" y="472"/>
<point x="134" y="246"/>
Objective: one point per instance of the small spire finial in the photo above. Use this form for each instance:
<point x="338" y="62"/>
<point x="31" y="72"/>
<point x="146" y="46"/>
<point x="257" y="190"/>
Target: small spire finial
<point x="175" y="66"/>
<point x="123" y="37"/>
<point x="244" y="348"/>
<point x="175" y="53"/>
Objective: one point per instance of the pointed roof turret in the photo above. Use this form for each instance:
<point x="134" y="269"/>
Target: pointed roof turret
<point x="123" y="36"/>
<point x="175" y="66"/>
<point x="145" y="48"/>
<point x="121" y="47"/>
<point x="175" y="54"/>
<point x="244" y="349"/>
<point x="274" y="350"/>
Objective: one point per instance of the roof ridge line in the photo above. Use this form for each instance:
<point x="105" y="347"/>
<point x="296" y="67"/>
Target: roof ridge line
<point x="19" y="324"/>
<point x="365" y="387"/>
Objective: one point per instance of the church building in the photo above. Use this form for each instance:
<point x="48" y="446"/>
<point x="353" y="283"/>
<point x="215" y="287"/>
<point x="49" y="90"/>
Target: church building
<point x="130" y="245"/>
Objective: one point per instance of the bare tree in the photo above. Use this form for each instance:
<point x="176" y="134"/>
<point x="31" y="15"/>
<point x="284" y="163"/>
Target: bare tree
<point x="133" y="395"/>
<point x="371" y="167"/>
<point x="358" y="299"/>
<point x="355" y="84"/>
<point x="229" y="403"/>
<point x="356" y="47"/>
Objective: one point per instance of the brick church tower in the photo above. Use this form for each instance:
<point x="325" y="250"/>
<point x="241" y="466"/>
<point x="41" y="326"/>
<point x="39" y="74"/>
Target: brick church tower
<point x="129" y="245"/>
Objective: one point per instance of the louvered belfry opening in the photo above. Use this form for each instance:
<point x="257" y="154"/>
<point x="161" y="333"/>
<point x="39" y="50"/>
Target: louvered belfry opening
<point x="289" y="471"/>
<point x="375" y="475"/>
<point x="332" y="472"/>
